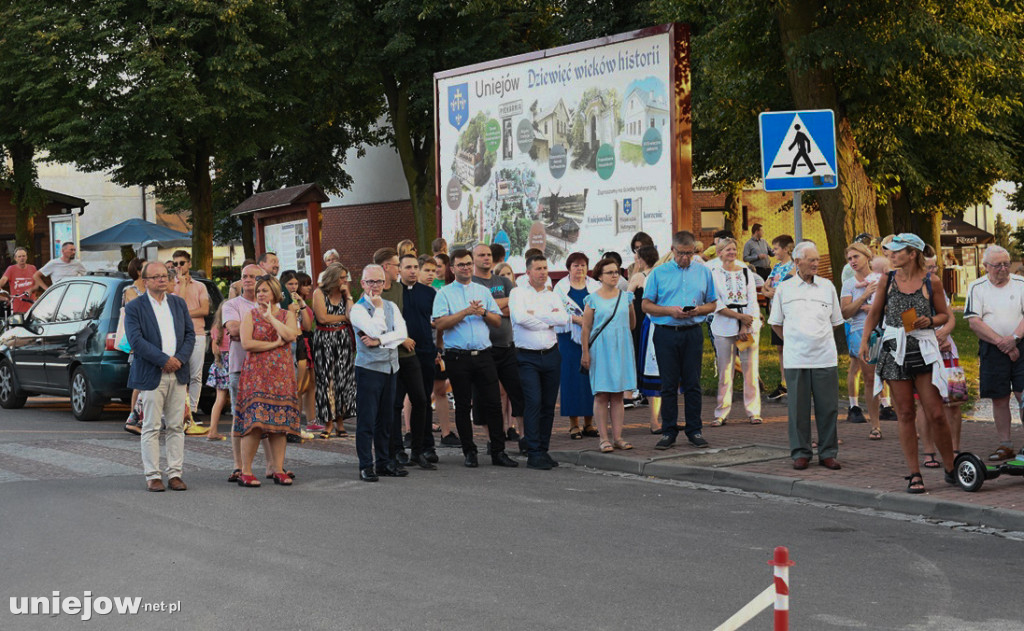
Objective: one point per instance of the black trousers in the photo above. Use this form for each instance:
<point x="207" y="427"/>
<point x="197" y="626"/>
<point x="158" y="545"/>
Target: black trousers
<point x="467" y="370"/>
<point x="541" y="374"/>
<point x="427" y="373"/>
<point x="410" y="382"/>
<point x="506" y="362"/>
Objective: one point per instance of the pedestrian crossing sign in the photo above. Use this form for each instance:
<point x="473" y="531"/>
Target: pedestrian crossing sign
<point x="798" y="150"/>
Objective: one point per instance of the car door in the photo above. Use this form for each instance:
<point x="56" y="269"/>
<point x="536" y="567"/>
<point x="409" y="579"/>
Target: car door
<point x="29" y="361"/>
<point x="60" y="335"/>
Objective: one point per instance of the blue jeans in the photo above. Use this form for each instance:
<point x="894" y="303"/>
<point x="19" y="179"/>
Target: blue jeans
<point x="540" y="375"/>
<point x="375" y="394"/>
<point x="679" y="353"/>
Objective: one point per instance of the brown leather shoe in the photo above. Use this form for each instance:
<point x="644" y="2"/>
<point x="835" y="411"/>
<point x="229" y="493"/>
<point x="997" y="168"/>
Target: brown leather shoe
<point x="828" y="463"/>
<point x="155" y="485"/>
<point x="177" y="484"/>
<point x="801" y="463"/>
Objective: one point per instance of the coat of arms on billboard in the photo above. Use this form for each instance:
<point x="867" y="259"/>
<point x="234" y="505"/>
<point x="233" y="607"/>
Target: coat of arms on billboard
<point x="458" y="105"/>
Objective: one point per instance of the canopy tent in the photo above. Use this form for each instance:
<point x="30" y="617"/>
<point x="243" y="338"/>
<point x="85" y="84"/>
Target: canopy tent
<point x="957" y="233"/>
<point x="138" y="233"/>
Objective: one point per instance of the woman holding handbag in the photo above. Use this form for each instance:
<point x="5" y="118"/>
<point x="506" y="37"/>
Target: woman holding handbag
<point x="910" y="360"/>
<point x="607" y="355"/>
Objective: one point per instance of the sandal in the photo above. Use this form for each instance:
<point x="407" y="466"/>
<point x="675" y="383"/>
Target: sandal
<point x="341" y="432"/>
<point x="915" y="484"/>
<point x="930" y="461"/>
<point x="248" y="480"/>
<point x="324" y="435"/>
<point x="756" y="420"/>
<point x="591" y="432"/>
<point x="282" y="479"/>
<point x="217" y="438"/>
<point x="575" y="433"/>
<point x="621" y="444"/>
<point x="951" y="477"/>
<point x="718" y="422"/>
<point x="875" y="434"/>
<point x="234" y="475"/>
<point x="606" y="447"/>
<point x="290" y="474"/>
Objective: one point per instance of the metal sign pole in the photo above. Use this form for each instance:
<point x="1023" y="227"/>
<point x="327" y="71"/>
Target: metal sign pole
<point x="798" y="218"/>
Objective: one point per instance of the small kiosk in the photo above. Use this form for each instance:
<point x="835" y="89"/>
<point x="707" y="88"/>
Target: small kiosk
<point x="287" y="223"/>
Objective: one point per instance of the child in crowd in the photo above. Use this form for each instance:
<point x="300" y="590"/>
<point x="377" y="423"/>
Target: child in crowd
<point x="220" y="341"/>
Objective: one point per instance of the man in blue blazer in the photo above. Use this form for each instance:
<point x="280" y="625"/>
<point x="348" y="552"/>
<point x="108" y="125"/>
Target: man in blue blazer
<point x="159" y="329"/>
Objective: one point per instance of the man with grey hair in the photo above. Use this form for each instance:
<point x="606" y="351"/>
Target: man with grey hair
<point x="995" y="312"/>
<point x="380" y="330"/>
<point x="804" y="311"/>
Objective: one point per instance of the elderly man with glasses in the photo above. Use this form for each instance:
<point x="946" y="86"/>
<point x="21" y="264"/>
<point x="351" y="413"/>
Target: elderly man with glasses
<point x="995" y="312"/>
<point x="679" y="296"/>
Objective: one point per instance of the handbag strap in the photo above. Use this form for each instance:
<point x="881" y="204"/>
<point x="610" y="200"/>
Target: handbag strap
<point x="608" y="321"/>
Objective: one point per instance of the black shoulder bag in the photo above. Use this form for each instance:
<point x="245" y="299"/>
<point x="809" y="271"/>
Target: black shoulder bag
<point x="615" y="310"/>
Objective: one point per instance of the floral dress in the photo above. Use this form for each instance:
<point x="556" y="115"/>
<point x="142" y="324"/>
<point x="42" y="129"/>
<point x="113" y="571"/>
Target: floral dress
<point x="267" y="397"/>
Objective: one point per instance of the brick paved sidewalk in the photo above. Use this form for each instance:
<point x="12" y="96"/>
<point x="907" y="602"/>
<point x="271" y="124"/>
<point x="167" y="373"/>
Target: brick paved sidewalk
<point x="868" y="465"/>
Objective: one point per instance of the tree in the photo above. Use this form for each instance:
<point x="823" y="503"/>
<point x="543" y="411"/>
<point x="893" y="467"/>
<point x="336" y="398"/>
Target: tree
<point x="399" y="44"/>
<point x="178" y="93"/>
<point x="903" y="79"/>
<point x="1004" y="235"/>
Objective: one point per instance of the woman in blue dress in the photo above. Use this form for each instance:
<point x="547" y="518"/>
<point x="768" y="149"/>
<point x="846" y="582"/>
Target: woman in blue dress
<point x="608" y="320"/>
<point x="575" y="394"/>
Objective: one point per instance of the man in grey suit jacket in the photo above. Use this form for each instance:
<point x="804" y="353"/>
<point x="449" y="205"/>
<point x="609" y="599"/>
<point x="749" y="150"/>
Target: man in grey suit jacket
<point x="159" y="329"/>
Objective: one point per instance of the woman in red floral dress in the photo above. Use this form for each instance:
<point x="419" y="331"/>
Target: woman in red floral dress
<point x="268" y="403"/>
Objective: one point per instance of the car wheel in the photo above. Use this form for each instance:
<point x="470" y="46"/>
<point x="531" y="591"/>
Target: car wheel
<point x="85" y="404"/>
<point x="11" y="398"/>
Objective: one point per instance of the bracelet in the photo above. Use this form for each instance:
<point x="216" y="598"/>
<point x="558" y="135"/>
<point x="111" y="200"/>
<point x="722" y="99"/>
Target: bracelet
<point x="931" y="322"/>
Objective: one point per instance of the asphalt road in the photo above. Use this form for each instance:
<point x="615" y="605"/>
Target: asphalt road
<point x="463" y="549"/>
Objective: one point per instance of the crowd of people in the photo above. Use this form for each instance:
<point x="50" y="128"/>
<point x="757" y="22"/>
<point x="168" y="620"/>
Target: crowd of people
<point x="298" y="358"/>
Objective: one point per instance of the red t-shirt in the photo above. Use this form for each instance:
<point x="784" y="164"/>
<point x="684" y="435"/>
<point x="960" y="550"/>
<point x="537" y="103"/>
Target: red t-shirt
<point x="20" y="281"/>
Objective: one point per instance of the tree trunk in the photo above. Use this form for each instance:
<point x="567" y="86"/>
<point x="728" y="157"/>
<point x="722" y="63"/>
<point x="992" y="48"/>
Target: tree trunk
<point x="200" y="193"/>
<point x="885" y="220"/>
<point x="417" y="163"/>
<point x="25" y="195"/>
<point x="902" y="218"/>
<point x="734" y="208"/>
<point x="931" y="232"/>
<point x="248" y="239"/>
<point x="849" y="209"/>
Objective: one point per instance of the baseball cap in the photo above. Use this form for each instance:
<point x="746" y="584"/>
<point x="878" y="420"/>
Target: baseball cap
<point x="905" y="240"/>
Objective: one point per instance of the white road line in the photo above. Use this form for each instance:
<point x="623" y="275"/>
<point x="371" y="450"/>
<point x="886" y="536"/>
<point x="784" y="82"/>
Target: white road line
<point x="78" y="463"/>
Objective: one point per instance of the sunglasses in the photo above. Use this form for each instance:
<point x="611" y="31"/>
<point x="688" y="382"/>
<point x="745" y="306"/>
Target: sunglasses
<point x="181" y="263"/>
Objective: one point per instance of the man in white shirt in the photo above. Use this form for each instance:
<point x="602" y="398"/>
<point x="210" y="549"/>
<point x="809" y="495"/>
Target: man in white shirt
<point x="380" y="330"/>
<point x="535" y="312"/>
<point x="995" y="312"/>
<point x="64" y="267"/>
<point x="804" y="311"/>
<point x="160" y="332"/>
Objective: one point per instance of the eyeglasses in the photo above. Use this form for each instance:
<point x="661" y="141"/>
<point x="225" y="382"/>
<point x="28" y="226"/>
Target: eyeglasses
<point x="265" y="277"/>
<point x="181" y="263"/>
<point x="612" y="272"/>
<point x="157" y="277"/>
<point x="373" y="282"/>
<point x="998" y="265"/>
<point x="463" y="265"/>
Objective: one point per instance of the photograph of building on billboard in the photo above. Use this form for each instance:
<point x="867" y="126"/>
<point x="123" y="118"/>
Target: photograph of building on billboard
<point x="573" y="149"/>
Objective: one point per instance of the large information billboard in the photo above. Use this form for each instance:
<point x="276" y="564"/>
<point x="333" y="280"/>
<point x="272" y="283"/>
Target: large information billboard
<point x="569" y="149"/>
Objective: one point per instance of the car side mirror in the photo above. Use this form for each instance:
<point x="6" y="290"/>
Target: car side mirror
<point x="16" y="320"/>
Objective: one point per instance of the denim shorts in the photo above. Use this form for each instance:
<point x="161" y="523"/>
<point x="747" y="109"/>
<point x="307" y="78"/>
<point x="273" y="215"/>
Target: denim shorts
<point x="853" y="339"/>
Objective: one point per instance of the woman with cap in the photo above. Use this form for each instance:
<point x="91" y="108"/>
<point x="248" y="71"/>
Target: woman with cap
<point x="910" y="360"/>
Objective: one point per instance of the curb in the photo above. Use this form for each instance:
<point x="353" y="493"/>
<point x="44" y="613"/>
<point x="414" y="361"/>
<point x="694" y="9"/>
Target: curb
<point x="942" y="510"/>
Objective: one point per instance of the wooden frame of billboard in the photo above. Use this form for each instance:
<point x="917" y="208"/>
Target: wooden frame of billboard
<point x="680" y="116"/>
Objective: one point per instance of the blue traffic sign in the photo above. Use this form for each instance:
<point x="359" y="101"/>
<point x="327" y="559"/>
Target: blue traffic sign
<point x="798" y="150"/>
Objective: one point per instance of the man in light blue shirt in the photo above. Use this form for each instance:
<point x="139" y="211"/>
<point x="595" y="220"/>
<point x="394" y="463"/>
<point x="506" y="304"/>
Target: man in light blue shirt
<point x="464" y="312"/>
<point x="678" y="296"/>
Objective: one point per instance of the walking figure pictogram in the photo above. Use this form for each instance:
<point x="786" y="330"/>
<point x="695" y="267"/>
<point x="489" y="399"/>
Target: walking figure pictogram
<point x="803" y="144"/>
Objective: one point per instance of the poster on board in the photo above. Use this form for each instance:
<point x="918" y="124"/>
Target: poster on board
<point x="563" y="152"/>
<point x="290" y="241"/>
<point x="63" y="229"/>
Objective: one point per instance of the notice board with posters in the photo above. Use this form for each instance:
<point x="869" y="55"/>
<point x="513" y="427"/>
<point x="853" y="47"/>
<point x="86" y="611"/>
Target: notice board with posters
<point x="569" y="149"/>
<point x="290" y="241"/>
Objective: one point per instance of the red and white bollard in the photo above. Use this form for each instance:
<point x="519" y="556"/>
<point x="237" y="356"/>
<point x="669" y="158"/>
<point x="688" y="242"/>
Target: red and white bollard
<point x="782" y="564"/>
